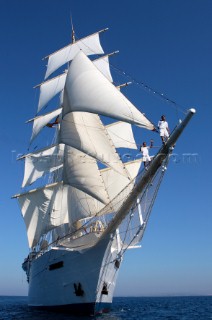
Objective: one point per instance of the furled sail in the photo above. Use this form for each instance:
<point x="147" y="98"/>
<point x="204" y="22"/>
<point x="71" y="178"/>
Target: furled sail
<point x="121" y="135"/>
<point x="81" y="171"/>
<point x="42" y="211"/>
<point x="88" y="90"/>
<point x="89" y="45"/>
<point x="40" y="163"/>
<point x="85" y="132"/>
<point x="41" y="121"/>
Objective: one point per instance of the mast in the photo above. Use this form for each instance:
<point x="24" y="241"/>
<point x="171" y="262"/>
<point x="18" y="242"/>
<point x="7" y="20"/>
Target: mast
<point x="73" y="32"/>
<point x="155" y="164"/>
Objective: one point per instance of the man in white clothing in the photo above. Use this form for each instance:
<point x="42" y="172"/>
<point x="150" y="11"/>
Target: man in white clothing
<point x="145" y="154"/>
<point x="163" y="129"/>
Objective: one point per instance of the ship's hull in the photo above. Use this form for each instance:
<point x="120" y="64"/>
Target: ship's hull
<point x="79" y="282"/>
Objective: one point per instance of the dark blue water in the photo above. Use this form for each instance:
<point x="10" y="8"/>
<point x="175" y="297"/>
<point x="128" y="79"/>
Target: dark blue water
<point x="171" y="308"/>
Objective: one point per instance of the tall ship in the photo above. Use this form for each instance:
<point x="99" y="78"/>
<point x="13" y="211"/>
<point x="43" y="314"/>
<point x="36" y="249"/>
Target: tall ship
<point x="82" y="205"/>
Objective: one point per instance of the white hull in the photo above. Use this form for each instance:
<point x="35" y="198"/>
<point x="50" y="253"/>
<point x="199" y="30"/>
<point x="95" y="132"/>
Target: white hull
<point x="52" y="277"/>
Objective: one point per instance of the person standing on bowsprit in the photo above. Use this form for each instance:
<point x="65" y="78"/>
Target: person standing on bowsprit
<point x="145" y="153"/>
<point x="163" y="129"/>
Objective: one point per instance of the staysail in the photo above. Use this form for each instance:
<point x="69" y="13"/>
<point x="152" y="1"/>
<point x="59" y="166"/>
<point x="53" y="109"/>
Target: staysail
<point x="52" y="87"/>
<point x="88" y="90"/>
<point x="122" y="135"/>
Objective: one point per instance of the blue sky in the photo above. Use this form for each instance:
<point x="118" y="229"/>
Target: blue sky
<point x="165" y="44"/>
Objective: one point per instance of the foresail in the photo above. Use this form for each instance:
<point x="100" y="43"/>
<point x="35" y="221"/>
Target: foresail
<point x="89" y="45"/>
<point x="85" y="132"/>
<point x="81" y="171"/>
<point x="42" y="211"/>
<point x="40" y="163"/>
<point x="122" y="135"/>
<point x="41" y="121"/>
<point x="88" y="90"/>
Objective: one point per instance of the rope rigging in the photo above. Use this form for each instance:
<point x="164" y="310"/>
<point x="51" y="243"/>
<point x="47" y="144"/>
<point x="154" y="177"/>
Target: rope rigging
<point x="178" y="108"/>
<point x="149" y="89"/>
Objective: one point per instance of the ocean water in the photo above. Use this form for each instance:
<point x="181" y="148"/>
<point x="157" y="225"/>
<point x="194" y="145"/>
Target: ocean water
<point x="170" y="308"/>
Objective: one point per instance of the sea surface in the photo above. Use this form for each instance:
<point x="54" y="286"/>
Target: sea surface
<point x="172" y="308"/>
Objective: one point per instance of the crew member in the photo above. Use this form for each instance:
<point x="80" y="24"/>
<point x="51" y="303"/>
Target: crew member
<point x="145" y="153"/>
<point x="163" y="129"/>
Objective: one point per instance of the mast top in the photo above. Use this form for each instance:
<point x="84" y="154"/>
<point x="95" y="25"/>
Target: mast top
<point x="73" y="32"/>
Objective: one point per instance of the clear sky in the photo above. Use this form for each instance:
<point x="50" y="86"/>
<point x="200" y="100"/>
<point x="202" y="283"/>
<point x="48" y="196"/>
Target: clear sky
<point x="168" y="45"/>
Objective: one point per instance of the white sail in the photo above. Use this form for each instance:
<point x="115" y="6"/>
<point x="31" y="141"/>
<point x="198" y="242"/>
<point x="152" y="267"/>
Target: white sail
<point x="114" y="183"/>
<point x="39" y="209"/>
<point x="89" y="45"/>
<point x="40" y="163"/>
<point x="81" y="205"/>
<point x="121" y="135"/>
<point x="85" y="132"/>
<point x="52" y="87"/>
<point x="41" y="121"/>
<point x="49" y="89"/>
<point x="103" y="66"/>
<point x="81" y="171"/>
<point x="59" y="205"/>
<point x="88" y="90"/>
